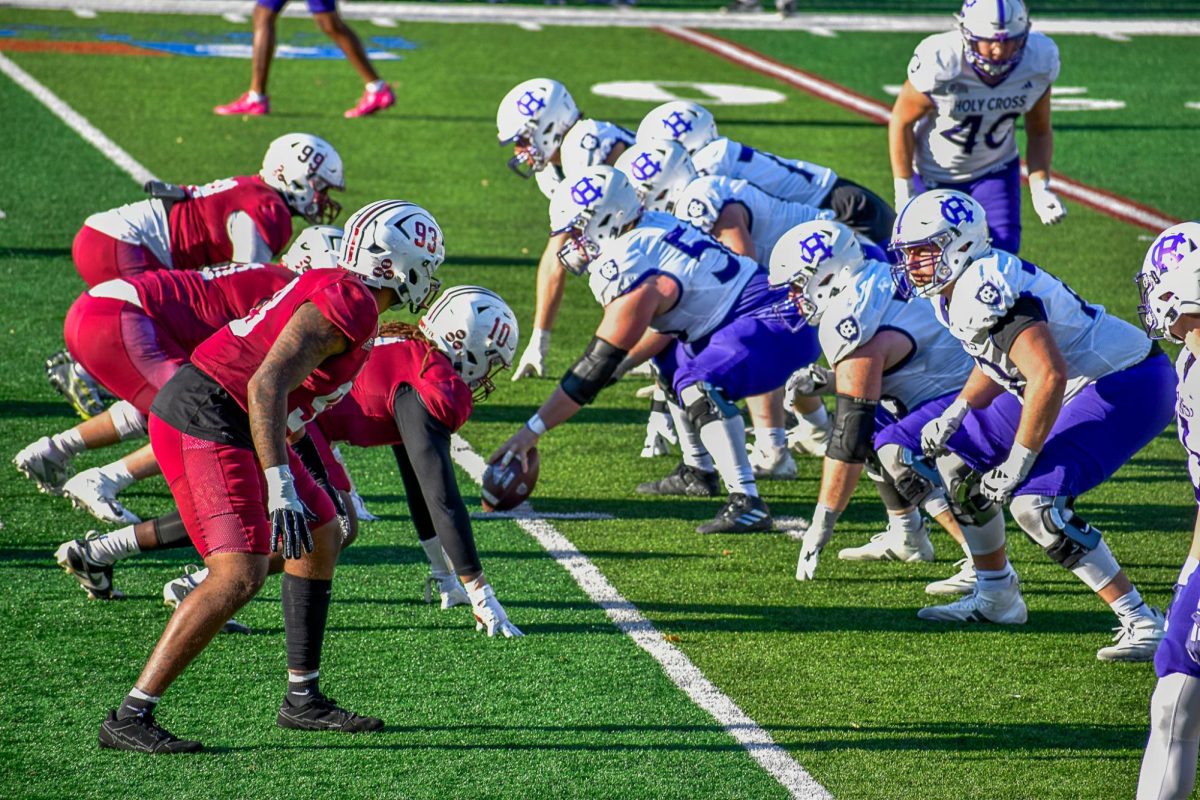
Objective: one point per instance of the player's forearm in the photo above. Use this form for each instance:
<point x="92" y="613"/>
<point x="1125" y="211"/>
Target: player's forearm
<point x="1039" y="148"/>
<point x="267" y="402"/>
<point x="838" y="480"/>
<point x="980" y="390"/>
<point x="1043" y="402"/>
<point x="901" y="144"/>
<point x="551" y="282"/>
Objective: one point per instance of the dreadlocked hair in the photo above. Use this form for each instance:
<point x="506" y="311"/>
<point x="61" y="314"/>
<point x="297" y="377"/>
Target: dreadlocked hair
<point x="406" y="330"/>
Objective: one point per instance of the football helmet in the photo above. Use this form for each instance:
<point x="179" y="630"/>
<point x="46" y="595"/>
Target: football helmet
<point x="303" y="168"/>
<point x="316" y="247"/>
<point x="584" y="147"/>
<point x="951" y="226"/>
<point x="993" y="21"/>
<point x="477" y="330"/>
<point x="1169" y="281"/>
<point x="398" y="245"/>
<point x="811" y="258"/>
<point x="659" y="171"/>
<point x="690" y="124"/>
<point x="534" y="117"/>
<point x="596" y="206"/>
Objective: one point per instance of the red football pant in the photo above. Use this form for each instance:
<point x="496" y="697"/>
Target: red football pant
<point x="99" y="257"/>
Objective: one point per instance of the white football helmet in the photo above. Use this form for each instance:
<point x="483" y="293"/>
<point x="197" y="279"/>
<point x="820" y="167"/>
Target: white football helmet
<point x="395" y="244"/>
<point x="477" y="330"/>
<point x="1169" y="281"/>
<point x="317" y="247"/>
<point x="993" y="21"/>
<point x="812" y="258"/>
<point x="303" y="168"/>
<point x="597" y="206"/>
<point x="584" y="147"/>
<point x="950" y="227"/>
<point x="690" y="124"/>
<point x="659" y="171"/>
<point x="534" y="117"/>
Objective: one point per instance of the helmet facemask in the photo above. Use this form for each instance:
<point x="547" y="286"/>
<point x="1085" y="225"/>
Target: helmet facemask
<point x="919" y="258"/>
<point x="579" y="249"/>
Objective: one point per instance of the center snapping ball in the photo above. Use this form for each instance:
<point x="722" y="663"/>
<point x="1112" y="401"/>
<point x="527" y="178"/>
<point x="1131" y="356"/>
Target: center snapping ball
<point x="504" y="488"/>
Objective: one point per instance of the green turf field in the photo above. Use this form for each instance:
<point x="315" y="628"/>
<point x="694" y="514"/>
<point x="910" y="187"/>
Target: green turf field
<point x="873" y="702"/>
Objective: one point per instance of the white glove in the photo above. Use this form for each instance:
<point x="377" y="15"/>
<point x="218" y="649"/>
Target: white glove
<point x="642" y="370"/>
<point x="815" y="539"/>
<point x="1046" y="204"/>
<point x="489" y="614"/>
<point x="938" y="431"/>
<point x="905" y="189"/>
<point x="533" y="360"/>
<point x="660" y="429"/>
<point x="449" y="587"/>
<point x="360" y="508"/>
<point x="999" y="483"/>
<point x="806" y="382"/>
<point x="289" y="525"/>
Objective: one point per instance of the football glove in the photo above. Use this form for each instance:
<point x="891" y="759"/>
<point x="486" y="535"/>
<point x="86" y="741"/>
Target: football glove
<point x="905" y="189"/>
<point x="448" y="587"/>
<point x="1193" y="640"/>
<point x="815" y="538"/>
<point x="289" y="523"/>
<point x="489" y="614"/>
<point x="1046" y="204"/>
<point x="533" y="360"/>
<point x="807" y="382"/>
<point x="660" y="435"/>
<point x="999" y="483"/>
<point x="937" y="432"/>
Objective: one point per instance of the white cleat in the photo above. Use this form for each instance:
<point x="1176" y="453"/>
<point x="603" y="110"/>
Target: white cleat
<point x="892" y="545"/>
<point x="961" y="582"/>
<point x="804" y="437"/>
<point x="94" y="492"/>
<point x="1136" y="639"/>
<point x="174" y="592"/>
<point x="44" y="464"/>
<point x="772" y="463"/>
<point x="449" y="588"/>
<point x="1002" y="606"/>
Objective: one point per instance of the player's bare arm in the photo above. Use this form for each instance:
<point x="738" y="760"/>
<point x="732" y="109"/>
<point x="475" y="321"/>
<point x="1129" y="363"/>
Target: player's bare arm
<point x="909" y="107"/>
<point x="1038" y="357"/>
<point x="732" y="229"/>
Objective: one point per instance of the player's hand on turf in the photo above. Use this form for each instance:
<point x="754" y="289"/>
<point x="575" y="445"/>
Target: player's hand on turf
<point x="516" y="447"/>
<point x="533" y="360"/>
<point x="660" y="435"/>
<point x="489" y="614"/>
<point x="289" y="518"/>
<point x="937" y="432"/>
<point x="819" y="532"/>
<point x="999" y="483"/>
<point x="1049" y="208"/>
<point x="905" y="189"/>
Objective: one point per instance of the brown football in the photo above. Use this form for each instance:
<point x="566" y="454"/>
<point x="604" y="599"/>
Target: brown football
<point x="507" y="487"/>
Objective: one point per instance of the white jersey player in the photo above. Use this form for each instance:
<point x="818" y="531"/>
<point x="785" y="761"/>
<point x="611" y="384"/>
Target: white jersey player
<point x="955" y="119"/>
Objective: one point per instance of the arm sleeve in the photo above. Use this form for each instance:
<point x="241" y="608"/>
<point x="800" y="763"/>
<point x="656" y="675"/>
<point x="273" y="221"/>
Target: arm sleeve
<point x="1027" y="311"/>
<point x="431" y="485"/>
<point x="249" y="247"/>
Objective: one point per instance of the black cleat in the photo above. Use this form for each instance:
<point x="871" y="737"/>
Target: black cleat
<point x="684" y="480"/>
<point x="94" y="576"/>
<point x="324" y="714"/>
<point x="742" y="514"/>
<point x="141" y="734"/>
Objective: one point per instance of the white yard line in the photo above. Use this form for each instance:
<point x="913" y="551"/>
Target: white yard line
<point x="633" y="17"/>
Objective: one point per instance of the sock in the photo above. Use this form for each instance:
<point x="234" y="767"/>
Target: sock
<point x="908" y="523"/>
<point x="1189" y="567"/>
<point x="117" y="472"/>
<point x="438" y="563"/>
<point x="110" y="548"/>
<point x="302" y="687"/>
<point x="137" y="703"/>
<point x="776" y="437"/>
<point x="694" y="454"/>
<point x="725" y="440"/>
<point x="994" y="578"/>
<point x="818" y="418"/>
<point x="1129" y="605"/>
<point x="305" y="612"/>
<point x="376" y="86"/>
<point x="200" y="574"/>
<point x="255" y="97"/>
<point x="69" y="442"/>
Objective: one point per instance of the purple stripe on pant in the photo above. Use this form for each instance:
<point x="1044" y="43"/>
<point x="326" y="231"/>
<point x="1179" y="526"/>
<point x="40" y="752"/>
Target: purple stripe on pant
<point x="999" y="193"/>
<point x="1172" y="652"/>
<point x="314" y="6"/>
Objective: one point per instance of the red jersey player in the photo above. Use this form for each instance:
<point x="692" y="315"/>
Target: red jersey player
<point x="219" y="429"/>
<point x="242" y="219"/>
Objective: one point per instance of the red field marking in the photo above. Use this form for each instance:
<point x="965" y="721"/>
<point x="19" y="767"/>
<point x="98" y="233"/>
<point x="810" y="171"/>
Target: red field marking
<point x="76" y="48"/>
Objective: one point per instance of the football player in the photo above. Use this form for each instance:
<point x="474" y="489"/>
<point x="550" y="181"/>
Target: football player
<point x="538" y="118"/>
<point x="1061" y="395"/>
<point x="219" y="429"/>
<point x="133" y="334"/>
<point x="377" y="96"/>
<point x="1169" y="282"/>
<point x="243" y="219"/>
<point x="890" y="358"/>
<point x="719" y="333"/>
<point x="796" y="181"/>
<point x="953" y="126"/>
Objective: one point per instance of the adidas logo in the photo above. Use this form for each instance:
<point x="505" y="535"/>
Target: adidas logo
<point x="751" y="517"/>
<point x="1028" y="85"/>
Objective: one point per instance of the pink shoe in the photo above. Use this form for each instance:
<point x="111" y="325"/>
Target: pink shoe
<point x="372" y="102"/>
<point x="244" y="105"/>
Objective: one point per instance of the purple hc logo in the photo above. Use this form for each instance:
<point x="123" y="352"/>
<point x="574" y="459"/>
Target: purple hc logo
<point x="584" y="192"/>
<point x="645" y="167"/>
<point x="957" y="211"/>
<point x="1168" y="250"/>
<point x="677" y="124"/>
<point x="530" y="104"/>
<point x="814" y="249"/>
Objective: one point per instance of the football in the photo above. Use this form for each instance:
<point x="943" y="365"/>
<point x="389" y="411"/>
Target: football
<point x="504" y="488"/>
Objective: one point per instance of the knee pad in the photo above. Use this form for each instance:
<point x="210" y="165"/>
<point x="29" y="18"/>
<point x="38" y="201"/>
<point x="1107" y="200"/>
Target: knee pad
<point x="1053" y="524"/>
<point x="128" y="421"/>
<point x="912" y="476"/>
<point x="704" y="403"/>
<point x="961" y="483"/>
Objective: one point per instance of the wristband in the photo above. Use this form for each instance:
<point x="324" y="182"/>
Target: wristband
<point x="536" y="424"/>
<point x="1021" y="458"/>
<point x="540" y="339"/>
<point x="824" y="516"/>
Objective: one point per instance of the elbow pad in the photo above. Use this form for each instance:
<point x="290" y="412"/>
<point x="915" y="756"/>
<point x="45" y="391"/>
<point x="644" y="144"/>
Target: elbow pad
<point x="853" y="429"/>
<point x="593" y="371"/>
<point x="164" y="191"/>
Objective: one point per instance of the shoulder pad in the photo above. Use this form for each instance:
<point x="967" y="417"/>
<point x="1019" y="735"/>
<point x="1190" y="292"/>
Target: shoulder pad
<point x="701" y="202"/>
<point x="548" y="180"/>
<point x="1043" y="52"/>
<point x="618" y="267"/>
<point x="937" y="59"/>
<point x="982" y="296"/>
<point x="852" y="318"/>
<point x="714" y="157"/>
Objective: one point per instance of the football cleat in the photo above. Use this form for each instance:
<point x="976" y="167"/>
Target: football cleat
<point x="685" y="480"/>
<point x="1003" y="606"/>
<point x="742" y="514"/>
<point x="449" y="587"/>
<point x="771" y="463"/>
<point x="245" y="106"/>
<point x="891" y="545"/>
<point x="142" y="734"/>
<point x="324" y="714"/>
<point x="961" y="582"/>
<point x="371" y="102"/>
<point x="1136" y="639"/>
<point x="94" y="492"/>
<point x="94" y="575"/>
<point x="174" y="592"/>
<point x="804" y="437"/>
<point x="73" y="382"/>
<point x="44" y="464"/>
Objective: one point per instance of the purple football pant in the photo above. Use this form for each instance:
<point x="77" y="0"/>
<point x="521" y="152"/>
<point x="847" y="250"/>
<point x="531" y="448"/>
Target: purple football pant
<point x="999" y="193"/>
<point x="314" y="6"/>
<point x="1172" y="652"/>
